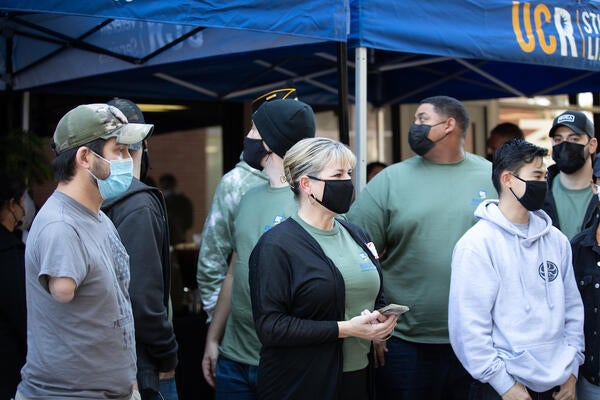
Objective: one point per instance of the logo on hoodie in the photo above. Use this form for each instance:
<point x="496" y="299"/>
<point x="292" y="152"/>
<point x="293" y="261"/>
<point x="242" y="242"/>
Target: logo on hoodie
<point x="550" y="271"/>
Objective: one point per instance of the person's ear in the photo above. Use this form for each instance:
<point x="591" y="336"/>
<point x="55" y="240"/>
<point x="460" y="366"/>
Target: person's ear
<point x="304" y="184"/>
<point x="593" y="145"/>
<point x="84" y="157"/>
<point x="450" y="125"/>
<point x="506" y="178"/>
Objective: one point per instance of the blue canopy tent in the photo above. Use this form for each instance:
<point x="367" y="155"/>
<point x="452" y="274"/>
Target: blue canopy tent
<point x="468" y="49"/>
<point x="187" y="49"/>
<point x="406" y="51"/>
<point x="153" y="48"/>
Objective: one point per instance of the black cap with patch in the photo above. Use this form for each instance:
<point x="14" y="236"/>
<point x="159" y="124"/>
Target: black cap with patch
<point x="575" y="120"/>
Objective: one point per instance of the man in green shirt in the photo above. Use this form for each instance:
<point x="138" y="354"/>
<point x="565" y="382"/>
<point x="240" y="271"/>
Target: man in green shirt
<point x="570" y="201"/>
<point x="217" y="235"/>
<point x="415" y="212"/>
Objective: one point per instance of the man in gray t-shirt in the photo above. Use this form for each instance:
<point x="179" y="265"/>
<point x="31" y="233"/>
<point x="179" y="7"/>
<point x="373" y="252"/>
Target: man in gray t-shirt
<point x="80" y="334"/>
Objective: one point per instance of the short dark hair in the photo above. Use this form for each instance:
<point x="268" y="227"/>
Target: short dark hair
<point x="64" y="163"/>
<point x="11" y="187"/>
<point x="507" y="130"/>
<point x="512" y="156"/>
<point x="375" y="164"/>
<point x="450" y="107"/>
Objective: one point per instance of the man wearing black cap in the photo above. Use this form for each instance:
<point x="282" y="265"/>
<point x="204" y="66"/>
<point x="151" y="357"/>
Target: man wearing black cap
<point x="80" y="329"/>
<point x="217" y="236"/>
<point x="570" y="201"/>
<point x="140" y="217"/>
<point x="231" y="338"/>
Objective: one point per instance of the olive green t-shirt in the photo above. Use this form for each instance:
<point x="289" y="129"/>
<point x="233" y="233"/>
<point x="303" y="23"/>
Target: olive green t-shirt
<point x="416" y="211"/>
<point x="361" y="282"/>
<point x="260" y="209"/>
<point x="571" y="206"/>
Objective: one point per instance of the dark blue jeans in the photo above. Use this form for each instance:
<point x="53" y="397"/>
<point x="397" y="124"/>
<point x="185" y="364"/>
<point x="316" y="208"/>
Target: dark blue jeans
<point x="418" y="371"/>
<point x="235" y="381"/>
<point x="484" y="391"/>
<point x="168" y="390"/>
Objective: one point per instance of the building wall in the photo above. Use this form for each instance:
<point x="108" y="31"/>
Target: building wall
<point x="182" y="153"/>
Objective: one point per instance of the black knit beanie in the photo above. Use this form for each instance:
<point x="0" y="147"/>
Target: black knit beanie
<point x="283" y="123"/>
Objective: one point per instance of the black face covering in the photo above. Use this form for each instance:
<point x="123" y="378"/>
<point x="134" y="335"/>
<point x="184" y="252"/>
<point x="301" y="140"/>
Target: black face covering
<point x="569" y="157"/>
<point x="337" y="194"/>
<point x="535" y="193"/>
<point x="418" y="138"/>
<point x="254" y="152"/>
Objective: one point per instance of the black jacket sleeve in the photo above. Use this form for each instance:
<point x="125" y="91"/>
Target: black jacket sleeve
<point x="153" y="330"/>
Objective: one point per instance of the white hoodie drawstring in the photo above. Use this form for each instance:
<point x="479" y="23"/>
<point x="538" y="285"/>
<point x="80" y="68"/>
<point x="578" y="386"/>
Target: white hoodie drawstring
<point x="548" y="299"/>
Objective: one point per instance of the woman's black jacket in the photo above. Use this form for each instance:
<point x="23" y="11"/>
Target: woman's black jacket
<point x="298" y="296"/>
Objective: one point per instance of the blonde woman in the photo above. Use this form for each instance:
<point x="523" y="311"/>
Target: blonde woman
<point x="313" y="279"/>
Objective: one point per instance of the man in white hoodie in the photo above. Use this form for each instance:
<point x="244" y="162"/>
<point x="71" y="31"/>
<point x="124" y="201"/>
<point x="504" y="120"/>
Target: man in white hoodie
<point x="515" y="314"/>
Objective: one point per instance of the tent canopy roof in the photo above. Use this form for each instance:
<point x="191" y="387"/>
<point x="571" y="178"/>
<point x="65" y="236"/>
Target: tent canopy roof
<point x="186" y="49"/>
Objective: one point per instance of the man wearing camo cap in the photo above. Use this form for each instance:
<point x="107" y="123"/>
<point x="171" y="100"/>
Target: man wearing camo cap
<point x="80" y="333"/>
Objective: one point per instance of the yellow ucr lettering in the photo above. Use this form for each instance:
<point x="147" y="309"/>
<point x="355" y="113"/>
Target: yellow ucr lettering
<point x="542" y="10"/>
<point x="526" y="45"/>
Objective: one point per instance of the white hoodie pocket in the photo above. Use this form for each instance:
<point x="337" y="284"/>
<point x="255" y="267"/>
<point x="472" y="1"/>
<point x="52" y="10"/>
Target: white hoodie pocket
<point x="541" y="367"/>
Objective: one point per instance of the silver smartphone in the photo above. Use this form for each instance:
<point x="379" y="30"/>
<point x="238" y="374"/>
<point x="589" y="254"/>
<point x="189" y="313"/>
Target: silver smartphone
<point x="393" y="309"/>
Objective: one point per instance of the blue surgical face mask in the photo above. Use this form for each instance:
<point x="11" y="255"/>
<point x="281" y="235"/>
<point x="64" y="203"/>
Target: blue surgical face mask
<point x="119" y="180"/>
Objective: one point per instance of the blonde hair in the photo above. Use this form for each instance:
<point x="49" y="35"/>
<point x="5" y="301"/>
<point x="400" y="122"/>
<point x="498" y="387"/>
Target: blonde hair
<point x="310" y="156"/>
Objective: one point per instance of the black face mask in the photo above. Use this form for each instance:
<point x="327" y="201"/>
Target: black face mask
<point x="337" y="194"/>
<point x="254" y="152"/>
<point x="535" y="193"/>
<point x="569" y="157"/>
<point x="418" y="140"/>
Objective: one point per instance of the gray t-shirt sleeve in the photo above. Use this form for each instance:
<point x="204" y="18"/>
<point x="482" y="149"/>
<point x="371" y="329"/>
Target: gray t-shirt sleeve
<point x="61" y="254"/>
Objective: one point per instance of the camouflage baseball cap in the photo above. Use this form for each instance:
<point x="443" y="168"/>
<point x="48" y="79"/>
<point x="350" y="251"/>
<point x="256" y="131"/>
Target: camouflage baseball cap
<point x="88" y="122"/>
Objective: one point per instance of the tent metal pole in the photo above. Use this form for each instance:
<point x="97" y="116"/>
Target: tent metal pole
<point x="342" y="75"/>
<point x="360" y="140"/>
<point x="295" y="77"/>
<point x="492" y="78"/>
<point x="25" y="107"/>
<point x="380" y="135"/>
<point x="189" y="85"/>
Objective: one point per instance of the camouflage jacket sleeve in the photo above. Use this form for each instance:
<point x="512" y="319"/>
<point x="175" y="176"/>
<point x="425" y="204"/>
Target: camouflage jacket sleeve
<point x="217" y="236"/>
